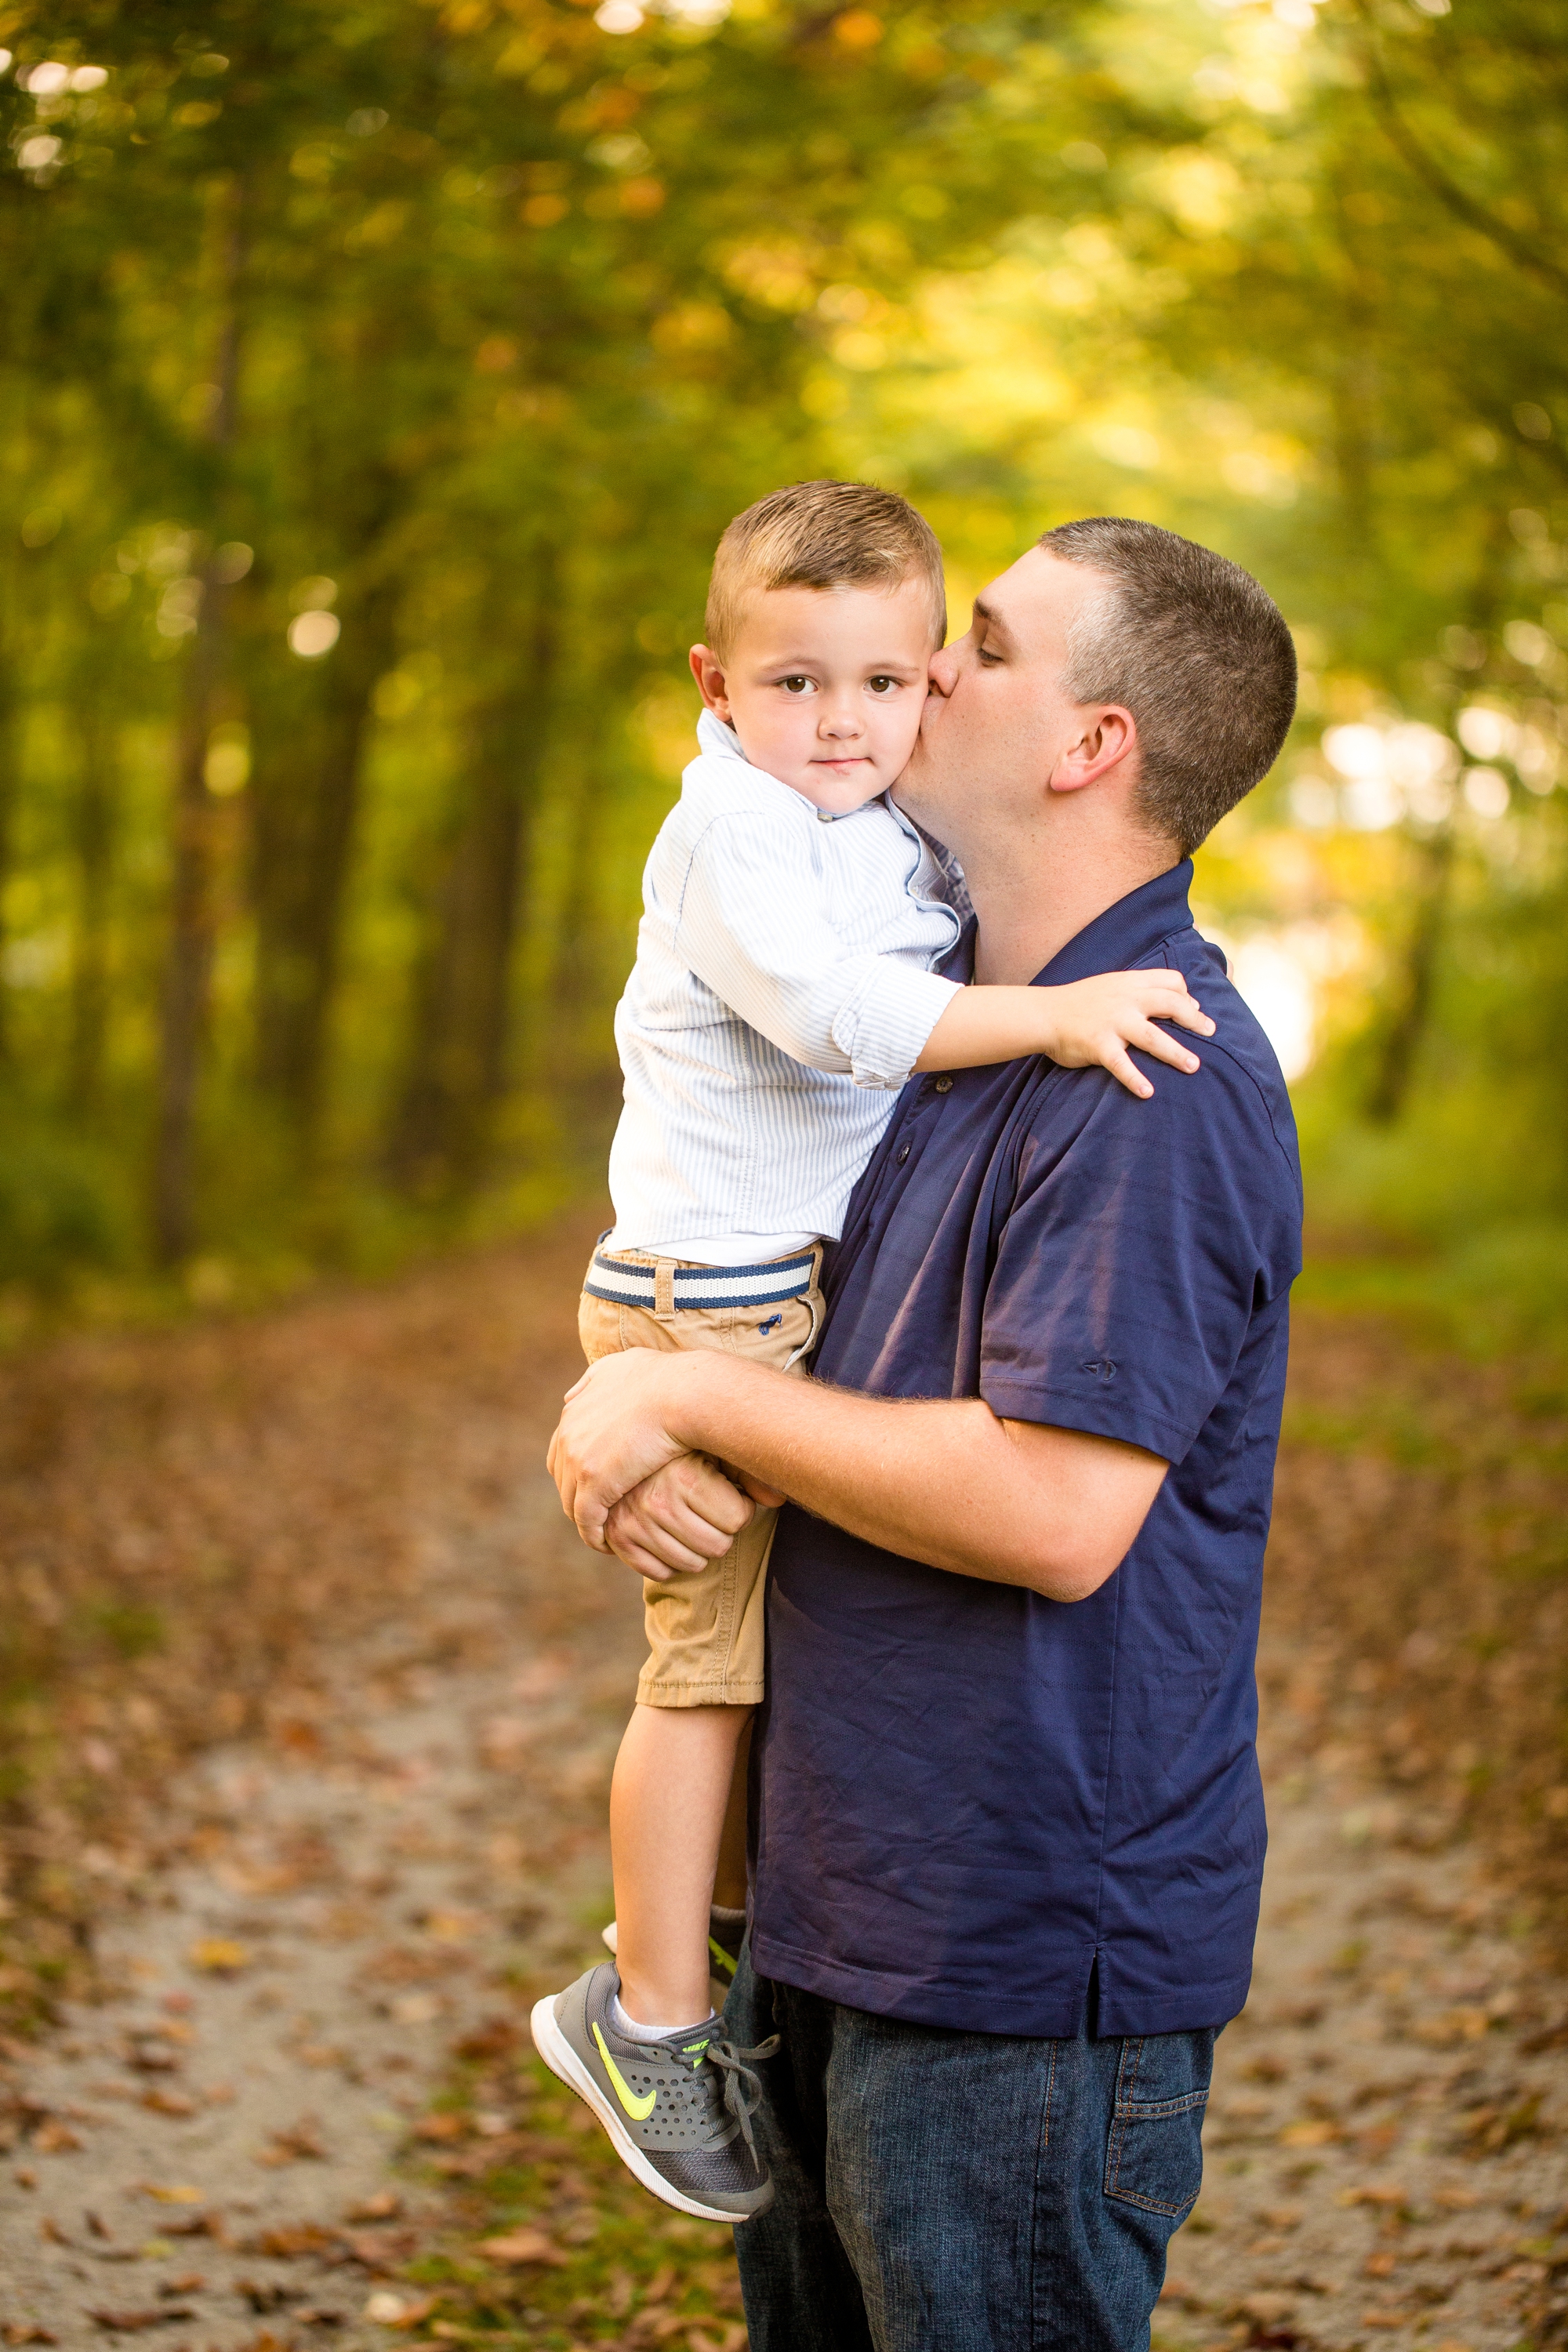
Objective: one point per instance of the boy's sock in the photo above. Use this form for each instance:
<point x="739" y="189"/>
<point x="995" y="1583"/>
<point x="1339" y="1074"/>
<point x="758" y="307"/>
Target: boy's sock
<point x="632" y="2031"/>
<point x="731" y="1915"/>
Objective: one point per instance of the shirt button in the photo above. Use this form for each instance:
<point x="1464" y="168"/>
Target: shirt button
<point x="901" y="1155"/>
<point x="944" y="1085"/>
<point x="824" y="816"/>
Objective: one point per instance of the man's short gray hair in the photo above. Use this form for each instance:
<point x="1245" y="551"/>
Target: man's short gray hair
<point x="1190" y="645"/>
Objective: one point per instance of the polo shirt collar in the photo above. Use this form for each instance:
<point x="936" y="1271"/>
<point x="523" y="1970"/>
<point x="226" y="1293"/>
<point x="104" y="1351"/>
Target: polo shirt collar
<point x="1127" y="932"/>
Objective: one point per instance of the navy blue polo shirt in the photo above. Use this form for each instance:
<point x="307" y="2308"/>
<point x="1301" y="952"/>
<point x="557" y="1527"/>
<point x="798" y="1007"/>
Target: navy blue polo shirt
<point x="968" y="1797"/>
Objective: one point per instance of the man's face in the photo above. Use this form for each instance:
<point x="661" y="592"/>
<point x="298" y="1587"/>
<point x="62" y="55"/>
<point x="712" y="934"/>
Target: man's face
<point x="999" y="718"/>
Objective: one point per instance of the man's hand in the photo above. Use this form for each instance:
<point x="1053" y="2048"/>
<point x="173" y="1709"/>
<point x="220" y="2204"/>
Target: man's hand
<point x="683" y="1516"/>
<point x="942" y="1480"/>
<point x="614" y="1430"/>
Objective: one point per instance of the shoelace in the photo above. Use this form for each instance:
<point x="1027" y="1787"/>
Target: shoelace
<point x="742" y="2087"/>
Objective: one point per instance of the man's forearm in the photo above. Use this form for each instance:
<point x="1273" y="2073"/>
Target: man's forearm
<point x="945" y="1482"/>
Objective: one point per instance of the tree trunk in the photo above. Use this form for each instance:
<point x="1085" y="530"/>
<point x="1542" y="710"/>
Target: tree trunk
<point x="457" y="1064"/>
<point x="584" y="1073"/>
<point x="1399" y="1050"/>
<point x="305" y="802"/>
<point x="1400" y="1047"/>
<point x="10" y="749"/>
<point x="187" y="971"/>
<point x="93" y="828"/>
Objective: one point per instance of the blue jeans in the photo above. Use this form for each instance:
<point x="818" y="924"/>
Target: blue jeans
<point x="938" y="2191"/>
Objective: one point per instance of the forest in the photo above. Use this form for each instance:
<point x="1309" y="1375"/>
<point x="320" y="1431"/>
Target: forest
<point x="376" y="379"/>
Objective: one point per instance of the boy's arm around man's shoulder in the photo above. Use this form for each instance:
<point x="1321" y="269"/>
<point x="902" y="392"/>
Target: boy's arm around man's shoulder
<point x="752" y="924"/>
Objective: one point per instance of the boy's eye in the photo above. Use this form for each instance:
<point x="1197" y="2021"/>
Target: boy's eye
<point x="883" y="684"/>
<point x="795" y="685"/>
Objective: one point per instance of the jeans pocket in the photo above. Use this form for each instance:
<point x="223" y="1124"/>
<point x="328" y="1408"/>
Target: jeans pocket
<point x="1154" y="2158"/>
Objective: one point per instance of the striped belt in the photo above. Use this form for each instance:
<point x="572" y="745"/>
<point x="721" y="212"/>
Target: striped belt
<point x="703" y="1286"/>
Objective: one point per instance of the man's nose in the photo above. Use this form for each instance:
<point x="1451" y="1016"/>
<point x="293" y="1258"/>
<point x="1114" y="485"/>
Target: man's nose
<point x="944" y="671"/>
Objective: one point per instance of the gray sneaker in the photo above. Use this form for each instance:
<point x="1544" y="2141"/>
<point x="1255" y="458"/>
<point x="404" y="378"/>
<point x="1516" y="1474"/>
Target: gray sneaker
<point x="677" y="2114"/>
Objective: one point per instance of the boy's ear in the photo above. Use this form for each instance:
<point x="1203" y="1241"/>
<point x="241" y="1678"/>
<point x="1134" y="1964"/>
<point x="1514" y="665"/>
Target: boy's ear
<point x="709" y="672"/>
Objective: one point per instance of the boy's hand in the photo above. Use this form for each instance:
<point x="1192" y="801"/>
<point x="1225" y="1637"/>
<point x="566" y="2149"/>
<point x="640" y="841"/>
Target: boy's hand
<point x="684" y="1517"/>
<point x="1088" y="1021"/>
<point x="1097" y="1019"/>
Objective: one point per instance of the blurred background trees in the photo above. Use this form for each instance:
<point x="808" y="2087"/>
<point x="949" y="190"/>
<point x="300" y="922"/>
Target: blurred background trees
<point x="378" y="378"/>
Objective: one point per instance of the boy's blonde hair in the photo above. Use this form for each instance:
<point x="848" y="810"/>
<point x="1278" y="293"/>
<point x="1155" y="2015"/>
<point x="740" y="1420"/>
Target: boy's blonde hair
<point x="822" y="535"/>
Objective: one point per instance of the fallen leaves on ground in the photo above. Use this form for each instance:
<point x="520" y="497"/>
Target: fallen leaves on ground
<point x="290" y="2242"/>
<point x="1416" y="1570"/>
<point x="521" y="2246"/>
<point x="299" y="2143"/>
<point x="168" y="2102"/>
<point x="219" y="1956"/>
<point x="135" y="2323"/>
<point x="385" y="2206"/>
<point x="56" y="2138"/>
<point x="389" y="2309"/>
<point x="561" y="2230"/>
<point x="190" y="1515"/>
<point x="201" y="1509"/>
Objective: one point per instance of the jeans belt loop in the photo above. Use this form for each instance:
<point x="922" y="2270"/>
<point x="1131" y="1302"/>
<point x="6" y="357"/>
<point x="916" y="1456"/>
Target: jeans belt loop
<point x="664" y="1287"/>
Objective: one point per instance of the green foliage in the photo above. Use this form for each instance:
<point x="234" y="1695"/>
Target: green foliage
<point x="59" y="1206"/>
<point x="378" y="381"/>
<point x="128" y="1629"/>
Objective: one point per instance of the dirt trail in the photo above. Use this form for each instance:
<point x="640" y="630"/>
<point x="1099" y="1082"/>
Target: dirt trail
<point x="315" y="1918"/>
<point x="1377" y="2159"/>
<point x="420" y="1836"/>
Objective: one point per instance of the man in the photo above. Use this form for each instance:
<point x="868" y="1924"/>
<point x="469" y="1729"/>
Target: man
<point x="1007" y="1825"/>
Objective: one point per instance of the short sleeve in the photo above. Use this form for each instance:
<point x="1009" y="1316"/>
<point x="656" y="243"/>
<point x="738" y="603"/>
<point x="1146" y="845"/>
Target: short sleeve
<point x="1138" y="1247"/>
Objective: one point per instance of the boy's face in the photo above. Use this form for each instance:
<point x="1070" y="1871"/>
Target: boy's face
<point x="825" y="687"/>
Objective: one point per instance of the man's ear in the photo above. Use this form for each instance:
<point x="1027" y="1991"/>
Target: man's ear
<point x="1109" y="735"/>
<point x="709" y="672"/>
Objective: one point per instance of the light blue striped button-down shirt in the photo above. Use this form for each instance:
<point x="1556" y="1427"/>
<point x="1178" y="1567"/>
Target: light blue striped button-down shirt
<point x="782" y="994"/>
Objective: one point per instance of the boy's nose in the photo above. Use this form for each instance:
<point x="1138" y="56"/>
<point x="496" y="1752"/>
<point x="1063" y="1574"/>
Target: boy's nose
<point x="838" y="724"/>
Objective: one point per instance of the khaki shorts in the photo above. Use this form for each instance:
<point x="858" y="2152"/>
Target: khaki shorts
<point x="705" y="1630"/>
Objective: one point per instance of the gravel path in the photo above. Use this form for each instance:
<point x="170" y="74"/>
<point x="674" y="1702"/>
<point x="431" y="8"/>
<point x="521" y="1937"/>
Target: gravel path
<point x="1378" y="2165"/>
<point x="207" y="2153"/>
<point x="213" y="2153"/>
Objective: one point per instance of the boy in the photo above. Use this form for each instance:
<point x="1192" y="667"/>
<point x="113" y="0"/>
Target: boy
<point x="782" y="995"/>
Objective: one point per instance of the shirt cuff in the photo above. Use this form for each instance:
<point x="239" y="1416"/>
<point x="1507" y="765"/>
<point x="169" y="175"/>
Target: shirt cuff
<point x="1090" y="1413"/>
<point x="883" y="1027"/>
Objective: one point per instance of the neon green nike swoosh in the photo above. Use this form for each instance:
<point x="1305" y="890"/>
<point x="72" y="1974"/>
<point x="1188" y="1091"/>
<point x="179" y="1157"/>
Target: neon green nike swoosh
<point x="722" y="1956"/>
<point x="640" y="2109"/>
